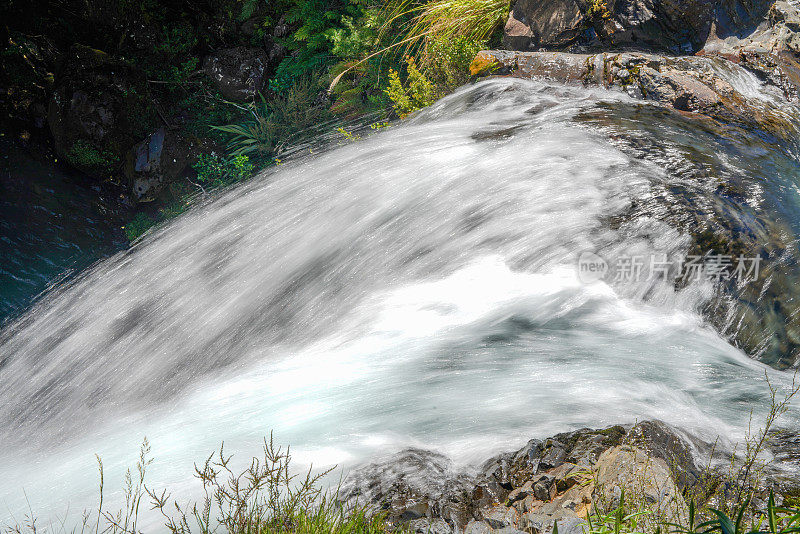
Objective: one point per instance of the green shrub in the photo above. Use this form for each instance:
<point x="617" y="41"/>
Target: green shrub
<point x="416" y="93"/>
<point x="438" y="21"/>
<point x="273" y="123"/>
<point x="83" y="154"/>
<point x="313" y="41"/>
<point x="140" y="223"/>
<point x="215" y="171"/>
<point x="598" y="9"/>
<point x="448" y="62"/>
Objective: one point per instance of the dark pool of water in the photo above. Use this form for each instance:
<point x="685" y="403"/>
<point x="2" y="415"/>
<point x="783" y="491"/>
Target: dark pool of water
<point x="52" y="224"/>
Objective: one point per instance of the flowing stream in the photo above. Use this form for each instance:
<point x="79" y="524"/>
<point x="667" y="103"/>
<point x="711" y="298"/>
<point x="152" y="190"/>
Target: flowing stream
<point x="417" y="287"/>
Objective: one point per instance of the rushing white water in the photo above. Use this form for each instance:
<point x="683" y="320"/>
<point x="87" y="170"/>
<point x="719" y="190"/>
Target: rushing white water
<point x="416" y="287"/>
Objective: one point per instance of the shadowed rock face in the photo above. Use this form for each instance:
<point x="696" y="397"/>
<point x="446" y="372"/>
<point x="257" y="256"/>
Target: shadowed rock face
<point x="532" y="23"/>
<point x="239" y="73"/>
<point x="674" y="26"/>
<point x="98" y="108"/>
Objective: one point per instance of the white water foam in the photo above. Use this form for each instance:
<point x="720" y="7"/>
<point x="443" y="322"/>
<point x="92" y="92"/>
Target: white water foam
<point x="415" y="288"/>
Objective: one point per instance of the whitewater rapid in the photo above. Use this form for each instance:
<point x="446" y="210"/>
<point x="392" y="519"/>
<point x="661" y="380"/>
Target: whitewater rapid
<point x="417" y="287"/>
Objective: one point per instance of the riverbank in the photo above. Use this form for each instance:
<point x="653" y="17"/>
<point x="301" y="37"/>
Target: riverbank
<point x="93" y="88"/>
<point x="165" y="102"/>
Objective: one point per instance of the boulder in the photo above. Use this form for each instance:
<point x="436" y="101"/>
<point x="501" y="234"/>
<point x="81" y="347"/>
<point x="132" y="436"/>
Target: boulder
<point x="646" y="482"/>
<point x="412" y="485"/>
<point x="675" y="26"/>
<point x="161" y="158"/>
<point x="533" y="24"/>
<point x="99" y="108"/>
<point x="240" y="73"/>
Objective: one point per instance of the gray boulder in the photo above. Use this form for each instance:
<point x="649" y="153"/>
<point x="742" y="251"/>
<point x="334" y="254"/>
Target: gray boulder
<point x="239" y="73"/>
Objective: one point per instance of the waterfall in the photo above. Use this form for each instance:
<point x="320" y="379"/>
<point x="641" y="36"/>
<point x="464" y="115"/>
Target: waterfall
<point x="417" y="287"/>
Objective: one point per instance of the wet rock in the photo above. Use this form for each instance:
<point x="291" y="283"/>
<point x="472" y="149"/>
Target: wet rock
<point x="99" y="108"/>
<point x="554" y="454"/>
<point x="586" y="445"/>
<point x="545" y="488"/>
<point x="566" y="476"/>
<point x="506" y="471"/>
<point x="412" y="485"/>
<point x="521" y="493"/>
<point x="689" y="84"/>
<point x="239" y="73"/>
<point x="779" y="70"/>
<point x="161" y="158"/>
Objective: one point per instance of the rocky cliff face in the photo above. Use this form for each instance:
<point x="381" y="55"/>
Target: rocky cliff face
<point x="664" y="25"/>
<point x="761" y="35"/>
<point x="119" y="91"/>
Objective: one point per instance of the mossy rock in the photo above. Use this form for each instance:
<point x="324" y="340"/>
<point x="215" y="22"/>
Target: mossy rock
<point x="100" y="107"/>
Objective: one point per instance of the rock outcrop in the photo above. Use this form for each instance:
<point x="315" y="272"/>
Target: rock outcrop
<point x="661" y="25"/>
<point x="761" y="35"/>
<point x="690" y="84"/>
<point x="100" y="107"/>
<point x="555" y="480"/>
<point x="239" y="73"/>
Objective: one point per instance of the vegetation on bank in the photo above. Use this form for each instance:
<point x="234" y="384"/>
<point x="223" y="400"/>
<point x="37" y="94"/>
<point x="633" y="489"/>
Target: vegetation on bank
<point x="264" y="498"/>
<point x="386" y="57"/>
<point x="390" y="57"/>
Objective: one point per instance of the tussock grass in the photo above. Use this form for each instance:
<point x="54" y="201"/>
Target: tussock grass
<point x="424" y="27"/>
<point x="447" y="20"/>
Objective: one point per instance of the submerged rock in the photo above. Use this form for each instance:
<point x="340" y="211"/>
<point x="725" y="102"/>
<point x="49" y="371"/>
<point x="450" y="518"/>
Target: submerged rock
<point x="762" y="317"/>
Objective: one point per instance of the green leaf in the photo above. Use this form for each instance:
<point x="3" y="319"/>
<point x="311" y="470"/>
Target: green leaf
<point x="724" y="522"/>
